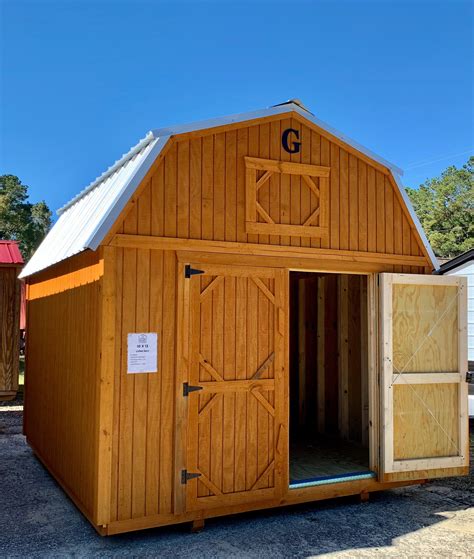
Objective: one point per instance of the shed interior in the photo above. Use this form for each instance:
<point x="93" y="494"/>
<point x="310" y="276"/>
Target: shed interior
<point x="328" y="377"/>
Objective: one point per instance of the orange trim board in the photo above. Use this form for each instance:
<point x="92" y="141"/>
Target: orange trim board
<point x="70" y="280"/>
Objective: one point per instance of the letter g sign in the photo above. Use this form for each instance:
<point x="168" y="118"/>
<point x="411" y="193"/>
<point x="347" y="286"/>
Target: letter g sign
<point x="295" y="147"/>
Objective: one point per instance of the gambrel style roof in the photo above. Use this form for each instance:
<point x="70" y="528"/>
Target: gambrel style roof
<point x="84" y="222"/>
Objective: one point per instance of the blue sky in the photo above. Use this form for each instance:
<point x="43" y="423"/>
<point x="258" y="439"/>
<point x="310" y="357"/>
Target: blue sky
<point x="82" y="81"/>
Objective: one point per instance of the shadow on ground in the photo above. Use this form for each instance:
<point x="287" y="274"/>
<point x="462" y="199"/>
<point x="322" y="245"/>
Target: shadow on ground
<point x="37" y="519"/>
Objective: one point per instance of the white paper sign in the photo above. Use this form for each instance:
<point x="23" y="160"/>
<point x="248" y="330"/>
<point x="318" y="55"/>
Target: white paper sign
<point x="142" y="354"/>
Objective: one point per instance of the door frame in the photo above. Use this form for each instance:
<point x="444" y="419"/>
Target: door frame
<point x="182" y="373"/>
<point x="373" y="369"/>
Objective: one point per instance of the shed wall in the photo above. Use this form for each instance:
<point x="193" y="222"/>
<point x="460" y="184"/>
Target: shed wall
<point x="198" y="192"/>
<point x="9" y="331"/>
<point x="468" y="271"/>
<point x="142" y="462"/>
<point x="62" y="375"/>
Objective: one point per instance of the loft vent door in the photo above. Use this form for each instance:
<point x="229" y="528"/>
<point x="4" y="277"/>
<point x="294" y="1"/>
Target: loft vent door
<point x="237" y="419"/>
<point x="424" y="364"/>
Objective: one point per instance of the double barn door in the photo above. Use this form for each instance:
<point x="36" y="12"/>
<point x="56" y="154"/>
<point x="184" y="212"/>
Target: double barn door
<point x="237" y="411"/>
<point x="236" y="334"/>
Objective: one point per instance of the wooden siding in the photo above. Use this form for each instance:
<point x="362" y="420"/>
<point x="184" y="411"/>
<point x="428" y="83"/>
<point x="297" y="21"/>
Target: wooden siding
<point x="236" y="354"/>
<point x="142" y="459"/>
<point x="9" y="331"/>
<point x="62" y="373"/>
<point x="198" y="192"/>
<point x="191" y="207"/>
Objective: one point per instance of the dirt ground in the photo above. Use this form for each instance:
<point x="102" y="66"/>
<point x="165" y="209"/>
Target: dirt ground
<point x="38" y="520"/>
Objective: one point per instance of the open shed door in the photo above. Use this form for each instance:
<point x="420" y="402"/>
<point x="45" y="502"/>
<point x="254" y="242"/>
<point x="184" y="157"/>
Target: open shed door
<point x="237" y="450"/>
<point x="424" y="415"/>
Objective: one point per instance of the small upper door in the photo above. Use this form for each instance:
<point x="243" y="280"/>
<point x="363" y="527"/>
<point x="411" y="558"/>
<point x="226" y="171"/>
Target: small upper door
<point x="237" y="409"/>
<point x="424" y="416"/>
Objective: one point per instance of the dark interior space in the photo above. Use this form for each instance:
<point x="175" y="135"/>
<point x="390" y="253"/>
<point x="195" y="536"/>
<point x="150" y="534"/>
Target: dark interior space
<point x="328" y="376"/>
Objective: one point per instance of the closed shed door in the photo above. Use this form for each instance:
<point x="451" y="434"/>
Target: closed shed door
<point x="424" y="364"/>
<point x="238" y="419"/>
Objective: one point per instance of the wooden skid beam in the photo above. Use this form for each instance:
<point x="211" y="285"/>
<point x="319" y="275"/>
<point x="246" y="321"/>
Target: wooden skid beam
<point x="293" y="497"/>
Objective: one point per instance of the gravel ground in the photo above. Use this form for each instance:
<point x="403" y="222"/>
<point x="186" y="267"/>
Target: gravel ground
<point x="38" y="520"/>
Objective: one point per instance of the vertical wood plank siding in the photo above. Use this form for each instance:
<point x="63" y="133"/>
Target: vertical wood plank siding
<point x="143" y="471"/>
<point x="62" y="373"/>
<point x="198" y="192"/>
<point x="204" y="192"/>
<point x="9" y="331"/>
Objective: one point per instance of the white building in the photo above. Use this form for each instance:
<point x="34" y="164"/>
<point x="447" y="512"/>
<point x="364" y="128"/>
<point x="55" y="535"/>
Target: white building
<point x="463" y="265"/>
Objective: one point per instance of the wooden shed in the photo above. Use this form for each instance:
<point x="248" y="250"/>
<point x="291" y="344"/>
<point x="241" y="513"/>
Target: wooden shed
<point x="241" y="314"/>
<point x="10" y="288"/>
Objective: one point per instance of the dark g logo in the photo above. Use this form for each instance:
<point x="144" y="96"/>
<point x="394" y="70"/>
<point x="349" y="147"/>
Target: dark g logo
<point x="295" y="148"/>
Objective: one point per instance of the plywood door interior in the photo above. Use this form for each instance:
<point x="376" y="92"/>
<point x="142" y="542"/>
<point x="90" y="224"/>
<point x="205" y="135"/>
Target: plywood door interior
<point x="328" y="375"/>
<point x="237" y="420"/>
<point x="424" y="357"/>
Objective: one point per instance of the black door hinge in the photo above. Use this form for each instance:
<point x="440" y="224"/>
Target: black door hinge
<point x="186" y="476"/>
<point x="470" y="377"/>
<point x="187" y="388"/>
<point x="188" y="271"/>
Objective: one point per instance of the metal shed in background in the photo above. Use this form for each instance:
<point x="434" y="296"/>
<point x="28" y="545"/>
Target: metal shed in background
<point x="10" y="295"/>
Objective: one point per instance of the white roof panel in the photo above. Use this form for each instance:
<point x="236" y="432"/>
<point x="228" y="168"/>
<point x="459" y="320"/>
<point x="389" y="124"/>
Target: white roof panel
<point x="83" y="218"/>
<point x="86" y="219"/>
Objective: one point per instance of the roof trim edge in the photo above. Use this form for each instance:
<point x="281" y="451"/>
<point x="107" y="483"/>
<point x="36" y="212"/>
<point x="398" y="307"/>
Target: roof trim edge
<point x="274" y="111"/>
<point x="416" y="221"/>
<point x="117" y="165"/>
<point x="125" y="195"/>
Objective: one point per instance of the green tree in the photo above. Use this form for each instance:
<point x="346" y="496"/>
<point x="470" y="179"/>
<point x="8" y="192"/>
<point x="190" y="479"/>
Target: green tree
<point x="19" y="219"/>
<point x="445" y="207"/>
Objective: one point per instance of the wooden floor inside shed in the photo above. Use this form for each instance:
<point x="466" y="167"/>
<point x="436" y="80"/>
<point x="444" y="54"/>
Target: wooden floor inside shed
<point x="326" y="457"/>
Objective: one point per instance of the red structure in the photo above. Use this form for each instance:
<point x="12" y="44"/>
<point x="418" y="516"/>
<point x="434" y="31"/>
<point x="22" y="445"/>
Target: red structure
<point x="11" y="306"/>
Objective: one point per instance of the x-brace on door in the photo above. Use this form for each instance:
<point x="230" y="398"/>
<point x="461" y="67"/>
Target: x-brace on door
<point x="237" y="431"/>
<point x="423" y="375"/>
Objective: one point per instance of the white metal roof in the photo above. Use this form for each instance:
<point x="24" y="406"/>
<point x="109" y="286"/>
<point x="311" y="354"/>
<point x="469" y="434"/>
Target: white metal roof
<point x="85" y="220"/>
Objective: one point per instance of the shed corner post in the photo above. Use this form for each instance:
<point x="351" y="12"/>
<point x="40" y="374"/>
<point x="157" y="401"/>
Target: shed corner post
<point x="105" y="385"/>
